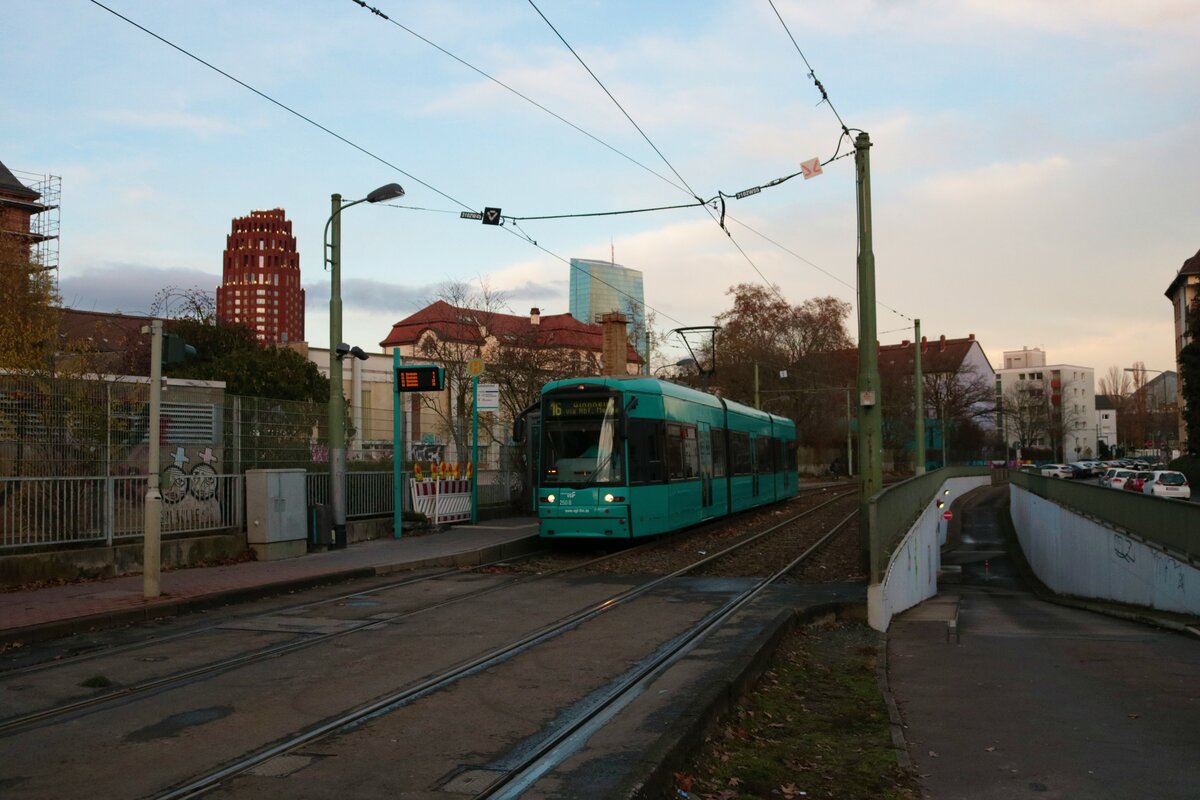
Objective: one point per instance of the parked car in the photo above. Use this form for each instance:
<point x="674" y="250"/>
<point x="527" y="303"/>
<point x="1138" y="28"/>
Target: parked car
<point x="1082" y="469"/>
<point x="1030" y="469"/>
<point x="1137" y="480"/>
<point x="1057" y="471"/>
<point x="1117" y="480"/>
<point x="1167" y="483"/>
<point x="1107" y="475"/>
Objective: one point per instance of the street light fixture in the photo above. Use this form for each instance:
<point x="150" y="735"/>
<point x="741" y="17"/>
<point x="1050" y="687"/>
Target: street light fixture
<point x="337" y="400"/>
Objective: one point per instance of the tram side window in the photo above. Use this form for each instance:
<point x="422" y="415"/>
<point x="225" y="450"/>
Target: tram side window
<point x="791" y="447"/>
<point x="646" y="451"/>
<point x="763" y="445"/>
<point x="718" y="452"/>
<point x="683" y="453"/>
<point x="739" y="453"/>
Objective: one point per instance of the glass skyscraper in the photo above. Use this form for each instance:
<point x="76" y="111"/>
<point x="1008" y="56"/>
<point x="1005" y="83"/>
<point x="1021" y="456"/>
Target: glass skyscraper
<point x="599" y="287"/>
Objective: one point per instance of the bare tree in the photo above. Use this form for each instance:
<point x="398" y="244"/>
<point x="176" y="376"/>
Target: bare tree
<point x="1024" y="413"/>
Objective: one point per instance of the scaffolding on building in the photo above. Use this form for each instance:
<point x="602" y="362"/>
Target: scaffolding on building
<point x="44" y="222"/>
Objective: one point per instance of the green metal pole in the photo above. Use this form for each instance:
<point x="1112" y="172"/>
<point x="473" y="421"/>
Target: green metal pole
<point x="919" y="402"/>
<point x="870" y="415"/>
<point x="152" y="533"/>
<point x="397" y="449"/>
<point x="337" y="401"/>
<point x="475" y="450"/>
<point x="757" y="404"/>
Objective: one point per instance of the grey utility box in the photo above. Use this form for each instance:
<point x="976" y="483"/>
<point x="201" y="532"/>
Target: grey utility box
<point x="275" y="513"/>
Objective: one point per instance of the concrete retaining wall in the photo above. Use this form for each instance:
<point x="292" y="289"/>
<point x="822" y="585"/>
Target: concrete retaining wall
<point x="911" y="575"/>
<point x="1074" y="555"/>
<point x="106" y="562"/>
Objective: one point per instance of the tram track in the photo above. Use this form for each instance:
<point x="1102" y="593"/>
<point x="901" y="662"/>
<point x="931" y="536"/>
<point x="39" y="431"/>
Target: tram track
<point x="540" y="760"/>
<point x="15" y="724"/>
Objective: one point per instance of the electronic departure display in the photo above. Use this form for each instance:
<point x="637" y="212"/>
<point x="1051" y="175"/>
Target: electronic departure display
<point x="420" y="378"/>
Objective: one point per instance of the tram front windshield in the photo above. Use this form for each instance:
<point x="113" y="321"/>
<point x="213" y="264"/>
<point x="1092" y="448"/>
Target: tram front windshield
<point x="579" y="443"/>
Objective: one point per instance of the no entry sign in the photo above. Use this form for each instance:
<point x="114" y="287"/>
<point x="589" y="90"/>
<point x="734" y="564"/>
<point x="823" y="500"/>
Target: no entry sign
<point x="947" y="515"/>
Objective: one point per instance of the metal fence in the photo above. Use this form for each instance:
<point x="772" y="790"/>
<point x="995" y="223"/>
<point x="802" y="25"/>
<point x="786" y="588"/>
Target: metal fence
<point x="368" y="494"/>
<point x="74" y="455"/>
<point x="1172" y="525"/>
<point x="38" y="512"/>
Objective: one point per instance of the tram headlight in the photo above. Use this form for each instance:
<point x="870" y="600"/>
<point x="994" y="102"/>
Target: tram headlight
<point x="608" y="498"/>
<point x="549" y="498"/>
<point x="612" y="498"/>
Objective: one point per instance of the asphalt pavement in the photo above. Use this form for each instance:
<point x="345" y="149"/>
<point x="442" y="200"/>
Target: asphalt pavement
<point x="1037" y="699"/>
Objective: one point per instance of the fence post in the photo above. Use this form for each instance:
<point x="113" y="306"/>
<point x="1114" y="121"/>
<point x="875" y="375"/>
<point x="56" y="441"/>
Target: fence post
<point x="237" y="435"/>
<point x="110" y="504"/>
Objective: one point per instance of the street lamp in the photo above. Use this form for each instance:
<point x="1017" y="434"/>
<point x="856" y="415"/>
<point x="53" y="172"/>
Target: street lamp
<point x="337" y="401"/>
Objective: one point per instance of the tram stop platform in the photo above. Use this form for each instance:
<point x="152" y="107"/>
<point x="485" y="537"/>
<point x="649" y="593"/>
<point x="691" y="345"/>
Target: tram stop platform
<point x="48" y="612"/>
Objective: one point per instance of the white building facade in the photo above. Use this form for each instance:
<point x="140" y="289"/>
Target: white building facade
<point x="1069" y="392"/>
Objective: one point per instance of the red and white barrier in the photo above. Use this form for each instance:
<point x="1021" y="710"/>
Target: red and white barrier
<point x="442" y="501"/>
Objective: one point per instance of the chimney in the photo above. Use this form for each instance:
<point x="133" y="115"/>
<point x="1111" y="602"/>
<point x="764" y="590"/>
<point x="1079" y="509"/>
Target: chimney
<point x="905" y="343"/>
<point x="924" y="344"/>
<point x="614" y="353"/>
<point x="535" y="316"/>
<point x="970" y="337"/>
<point x="942" y="344"/>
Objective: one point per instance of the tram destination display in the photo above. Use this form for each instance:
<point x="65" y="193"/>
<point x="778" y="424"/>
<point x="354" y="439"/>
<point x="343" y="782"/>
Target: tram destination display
<point x="577" y="407"/>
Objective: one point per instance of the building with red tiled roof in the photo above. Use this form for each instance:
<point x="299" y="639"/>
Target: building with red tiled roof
<point x="488" y="329"/>
<point x="521" y="353"/>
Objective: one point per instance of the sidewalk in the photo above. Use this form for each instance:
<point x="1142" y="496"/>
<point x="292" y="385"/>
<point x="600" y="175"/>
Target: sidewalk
<point x="53" y="611"/>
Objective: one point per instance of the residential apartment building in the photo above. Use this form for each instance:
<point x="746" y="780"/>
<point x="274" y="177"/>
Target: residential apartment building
<point x="1106" y="421"/>
<point x="260" y="279"/>
<point x="1184" y="294"/>
<point x="1047" y="406"/>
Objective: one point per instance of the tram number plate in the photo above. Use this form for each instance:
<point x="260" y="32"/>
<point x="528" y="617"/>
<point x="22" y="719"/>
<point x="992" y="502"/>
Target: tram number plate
<point x="566" y="498"/>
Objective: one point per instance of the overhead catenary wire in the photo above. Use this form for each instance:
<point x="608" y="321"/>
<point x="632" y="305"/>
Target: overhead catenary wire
<point x="360" y="148"/>
<point x="654" y="147"/>
<point x="811" y="73"/>
<point x="835" y="157"/>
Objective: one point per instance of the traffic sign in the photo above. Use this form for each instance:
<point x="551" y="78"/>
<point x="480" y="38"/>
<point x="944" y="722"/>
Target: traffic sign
<point x="470" y="215"/>
<point x="947" y="515"/>
<point x="811" y="168"/>
<point x="491" y="216"/>
<point x="475" y="367"/>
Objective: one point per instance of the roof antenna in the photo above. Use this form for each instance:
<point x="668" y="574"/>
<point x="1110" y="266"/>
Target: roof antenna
<point x="612" y="251"/>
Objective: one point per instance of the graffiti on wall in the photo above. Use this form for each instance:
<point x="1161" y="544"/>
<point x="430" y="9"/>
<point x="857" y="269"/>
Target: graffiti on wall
<point x="190" y="490"/>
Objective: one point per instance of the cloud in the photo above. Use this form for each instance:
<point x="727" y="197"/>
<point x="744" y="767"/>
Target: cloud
<point x="369" y="295"/>
<point x="128" y="287"/>
<point x="170" y="120"/>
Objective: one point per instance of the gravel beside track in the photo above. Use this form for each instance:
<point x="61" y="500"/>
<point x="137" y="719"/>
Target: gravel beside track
<point x="838" y="562"/>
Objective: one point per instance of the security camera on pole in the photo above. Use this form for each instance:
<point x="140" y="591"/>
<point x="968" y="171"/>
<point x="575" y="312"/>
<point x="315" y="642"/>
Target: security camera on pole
<point x="337" y="401"/>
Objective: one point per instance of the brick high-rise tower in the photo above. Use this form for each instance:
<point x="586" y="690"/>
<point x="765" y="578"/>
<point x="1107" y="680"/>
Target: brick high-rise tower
<point x="260" y="283"/>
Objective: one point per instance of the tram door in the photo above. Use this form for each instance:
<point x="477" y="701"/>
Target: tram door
<point x="754" y="466"/>
<point x="706" y="468"/>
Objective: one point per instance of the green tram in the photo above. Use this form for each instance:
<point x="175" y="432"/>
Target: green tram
<point x="625" y="457"/>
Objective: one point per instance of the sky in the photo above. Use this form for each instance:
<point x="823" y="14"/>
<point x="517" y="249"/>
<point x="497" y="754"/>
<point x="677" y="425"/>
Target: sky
<point x="1034" y="167"/>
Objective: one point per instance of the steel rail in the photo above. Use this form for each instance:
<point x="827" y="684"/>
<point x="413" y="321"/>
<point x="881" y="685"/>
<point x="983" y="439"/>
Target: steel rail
<point x="562" y="743"/>
<point x="200" y="785"/>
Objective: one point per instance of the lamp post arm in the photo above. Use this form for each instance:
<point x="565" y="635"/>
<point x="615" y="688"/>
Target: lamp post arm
<point x="328" y="222"/>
